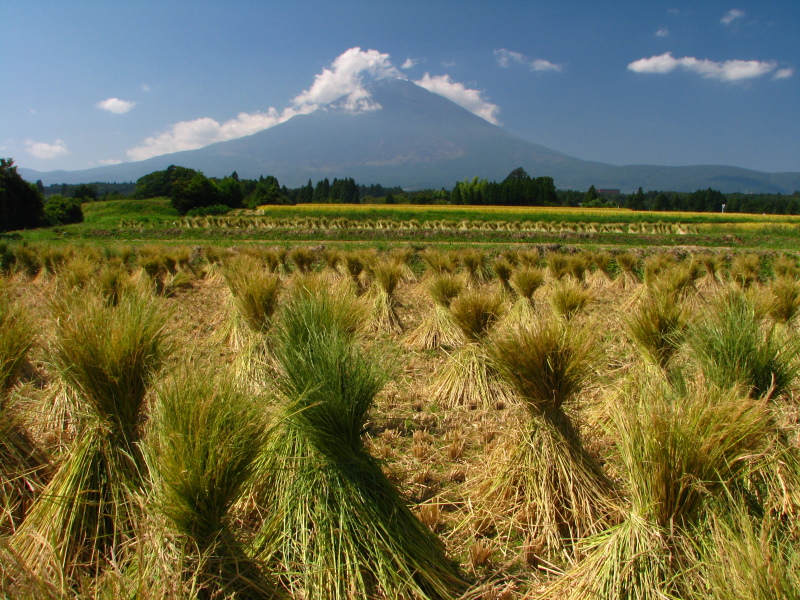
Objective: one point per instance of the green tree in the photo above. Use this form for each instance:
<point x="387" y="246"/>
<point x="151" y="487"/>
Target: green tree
<point x="85" y="192"/>
<point x="161" y="183"/>
<point x="591" y="195"/>
<point x="62" y="211"/>
<point x="267" y="191"/>
<point x="198" y="192"/>
<point x="322" y="191"/>
<point x="230" y="192"/>
<point x="636" y="201"/>
<point x="662" y="202"/>
<point x="21" y="204"/>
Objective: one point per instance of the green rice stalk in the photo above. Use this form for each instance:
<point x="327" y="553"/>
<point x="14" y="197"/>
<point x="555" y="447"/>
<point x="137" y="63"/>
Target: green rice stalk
<point x="113" y="282"/>
<point x="558" y="265"/>
<point x="602" y="275"/>
<point x="529" y="258"/>
<point x="745" y="270"/>
<point x="438" y="262"/>
<point x="436" y="330"/>
<point x="578" y="265"/>
<point x="733" y="349"/>
<point x="548" y="482"/>
<point x="108" y="357"/>
<point x="354" y="265"/>
<point x="387" y="275"/>
<point x="332" y="259"/>
<point x="345" y="530"/>
<point x="785" y="267"/>
<point x="525" y="281"/>
<point x="747" y="558"/>
<point x="22" y="462"/>
<point x="655" y="265"/>
<point x="467" y="379"/>
<point x="475" y="312"/>
<point x="303" y="258"/>
<point x="206" y="438"/>
<point x="784" y="301"/>
<point x="569" y="298"/>
<point x="676" y="446"/>
<point x="16" y="339"/>
<point x="627" y="264"/>
<point x="403" y="258"/>
<point x="53" y="258"/>
<point x="254" y="292"/>
<point x="27" y="261"/>
<point x="713" y="265"/>
<point x="474" y="263"/>
<point x="444" y="288"/>
<point x="503" y="269"/>
<point x="657" y="326"/>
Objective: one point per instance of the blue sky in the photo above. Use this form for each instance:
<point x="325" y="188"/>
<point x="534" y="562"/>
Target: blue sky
<point x="673" y="83"/>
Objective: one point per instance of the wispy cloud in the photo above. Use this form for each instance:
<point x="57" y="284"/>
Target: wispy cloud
<point x="189" y="135"/>
<point x="115" y="105"/>
<point x="506" y="57"/>
<point x="662" y="32"/>
<point x="110" y="161"/>
<point x="410" y="62"/>
<point x="731" y="16"/>
<point x="343" y="83"/>
<point x="783" y="73"/>
<point x="729" y="70"/>
<point x="46" y="151"/>
<point x="461" y="95"/>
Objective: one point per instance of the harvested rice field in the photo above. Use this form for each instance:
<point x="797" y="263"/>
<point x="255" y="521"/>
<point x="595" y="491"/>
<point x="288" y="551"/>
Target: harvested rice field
<point x="313" y="422"/>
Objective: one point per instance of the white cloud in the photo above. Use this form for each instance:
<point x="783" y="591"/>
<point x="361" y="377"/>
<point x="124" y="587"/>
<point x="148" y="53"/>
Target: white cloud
<point x="663" y="32"/>
<point x="115" y="105"/>
<point x="461" y="95"/>
<point x="730" y="16"/>
<point x="729" y="70"/>
<point x="410" y="62"/>
<point x="505" y="57"/>
<point x="110" y="161"/>
<point x="189" y="135"/>
<point x="783" y="73"/>
<point x="146" y="88"/>
<point x="345" y="78"/>
<point x="46" y="151"/>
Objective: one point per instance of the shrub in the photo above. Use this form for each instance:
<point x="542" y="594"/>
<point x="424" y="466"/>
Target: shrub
<point x="732" y="349"/>
<point x="62" y="211"/>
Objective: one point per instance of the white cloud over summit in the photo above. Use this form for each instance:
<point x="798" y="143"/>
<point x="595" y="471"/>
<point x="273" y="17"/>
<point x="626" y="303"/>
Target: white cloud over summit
<point x="729" y="70"/>
<point x="345" y="79"/>
<point x="461" y="95"/>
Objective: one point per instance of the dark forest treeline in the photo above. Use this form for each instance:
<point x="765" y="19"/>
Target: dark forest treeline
<point x="191" y="192"/>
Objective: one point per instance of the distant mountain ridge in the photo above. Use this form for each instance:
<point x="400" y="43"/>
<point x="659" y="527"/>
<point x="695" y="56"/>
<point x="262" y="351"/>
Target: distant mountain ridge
<point x="417" y="139"/>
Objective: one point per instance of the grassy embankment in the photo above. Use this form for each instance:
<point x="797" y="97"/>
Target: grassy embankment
<point x="134" y="220"/>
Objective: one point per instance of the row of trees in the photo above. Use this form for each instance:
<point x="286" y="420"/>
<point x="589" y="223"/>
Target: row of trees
<point x="191" y="191"/>
<point x="518" y="189"/>
<point x="23" y="206"/>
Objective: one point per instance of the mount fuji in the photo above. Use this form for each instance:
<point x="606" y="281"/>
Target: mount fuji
<point x="415" y="139"/>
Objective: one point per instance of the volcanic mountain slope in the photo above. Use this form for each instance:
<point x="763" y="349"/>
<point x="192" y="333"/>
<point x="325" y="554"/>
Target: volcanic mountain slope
<point x="416" y="139"/>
